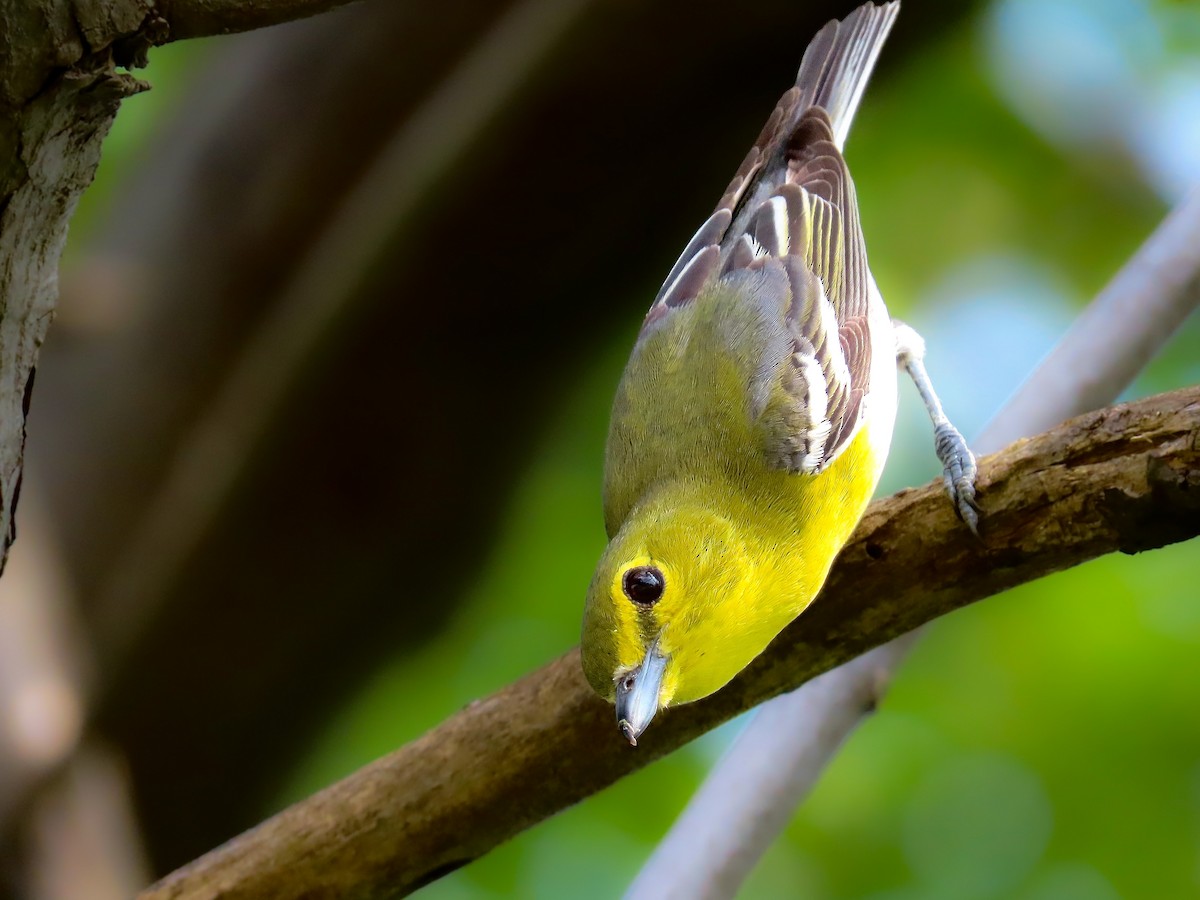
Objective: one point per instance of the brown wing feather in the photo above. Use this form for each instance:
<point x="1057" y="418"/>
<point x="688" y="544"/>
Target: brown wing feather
<point x="809" y="222"/>
<point x="792" y="201"/>
<point x="839" y="255"/>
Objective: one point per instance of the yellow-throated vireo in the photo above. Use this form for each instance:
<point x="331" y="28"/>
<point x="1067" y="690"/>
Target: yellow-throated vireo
<point x="756" y="411"/>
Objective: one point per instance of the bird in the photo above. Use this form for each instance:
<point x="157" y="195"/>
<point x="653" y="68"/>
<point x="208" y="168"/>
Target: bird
<point x="755" y="413"/>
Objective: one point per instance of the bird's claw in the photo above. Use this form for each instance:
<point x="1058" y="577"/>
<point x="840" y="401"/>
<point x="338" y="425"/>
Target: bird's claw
<point x="959" y="469"/>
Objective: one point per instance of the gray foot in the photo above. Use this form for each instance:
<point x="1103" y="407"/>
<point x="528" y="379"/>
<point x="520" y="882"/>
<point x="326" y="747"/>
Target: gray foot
<point x="958" y="464"/>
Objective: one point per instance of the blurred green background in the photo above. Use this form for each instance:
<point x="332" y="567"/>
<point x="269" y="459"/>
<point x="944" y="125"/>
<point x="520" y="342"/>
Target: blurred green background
<point x="1043" y="745"/>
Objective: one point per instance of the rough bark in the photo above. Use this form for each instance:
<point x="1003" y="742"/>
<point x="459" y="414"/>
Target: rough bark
<point x="58" y="141"/>
<point x="1124" y="479"/>
<point x="49" y="149"/>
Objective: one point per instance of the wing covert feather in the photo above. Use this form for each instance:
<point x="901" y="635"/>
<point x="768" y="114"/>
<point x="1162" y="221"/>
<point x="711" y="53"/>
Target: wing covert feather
<point x="792" y="205"/>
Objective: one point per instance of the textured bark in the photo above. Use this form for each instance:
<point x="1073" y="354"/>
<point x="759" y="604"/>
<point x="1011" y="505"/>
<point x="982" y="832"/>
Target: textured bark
<point x="1124" y="479"/>
<point x="50" y="145"/>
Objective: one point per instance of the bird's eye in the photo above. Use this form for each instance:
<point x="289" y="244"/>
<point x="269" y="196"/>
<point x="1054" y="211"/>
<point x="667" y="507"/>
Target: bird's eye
<point x="644" y="585"/>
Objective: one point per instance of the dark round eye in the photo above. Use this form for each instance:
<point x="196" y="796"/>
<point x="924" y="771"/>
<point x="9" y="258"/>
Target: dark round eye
<point x="644" y="585"/>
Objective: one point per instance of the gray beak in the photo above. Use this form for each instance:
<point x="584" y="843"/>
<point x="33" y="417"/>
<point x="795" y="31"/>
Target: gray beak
<point x="637" y="694"/>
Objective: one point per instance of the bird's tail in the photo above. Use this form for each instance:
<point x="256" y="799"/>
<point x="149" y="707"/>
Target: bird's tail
<point x="833" y="76"/>
<point x="838" y="62"/>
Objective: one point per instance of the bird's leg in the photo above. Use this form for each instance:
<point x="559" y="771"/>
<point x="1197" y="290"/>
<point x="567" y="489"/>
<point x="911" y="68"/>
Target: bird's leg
<point x="957" y="460"/>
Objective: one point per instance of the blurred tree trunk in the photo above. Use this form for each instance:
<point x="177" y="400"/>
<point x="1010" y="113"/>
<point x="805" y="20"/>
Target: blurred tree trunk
<point x="358" y="515"/>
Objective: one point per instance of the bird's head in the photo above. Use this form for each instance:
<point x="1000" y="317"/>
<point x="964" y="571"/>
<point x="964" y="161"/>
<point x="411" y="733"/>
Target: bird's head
<point x="671" y="613"/>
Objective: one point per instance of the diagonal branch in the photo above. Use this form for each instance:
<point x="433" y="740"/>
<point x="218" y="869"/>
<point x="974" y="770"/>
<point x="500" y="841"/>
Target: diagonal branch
<point x="749" y="797"/>
<point x="1126" y="478"/>
<point x="204" y="18"/>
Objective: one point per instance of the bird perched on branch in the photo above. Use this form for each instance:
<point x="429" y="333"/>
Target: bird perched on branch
<point x="756" y="411"/>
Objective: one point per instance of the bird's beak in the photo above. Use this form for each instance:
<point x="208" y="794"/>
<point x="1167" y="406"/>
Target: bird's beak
<point x="637" y="694"/>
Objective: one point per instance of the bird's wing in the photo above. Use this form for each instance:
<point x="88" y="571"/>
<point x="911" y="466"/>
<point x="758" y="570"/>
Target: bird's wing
<point x="792" y="207"/>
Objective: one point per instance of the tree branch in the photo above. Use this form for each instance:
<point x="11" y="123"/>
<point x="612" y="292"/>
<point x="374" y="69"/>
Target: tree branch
<point x="49" y="150"/>
<point x="204" y="18"/>
<point x="1125" y="479"/>
<point x="751" y="794"/>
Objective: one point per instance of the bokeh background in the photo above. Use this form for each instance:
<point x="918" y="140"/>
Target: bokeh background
<point x="315" y="449"/>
